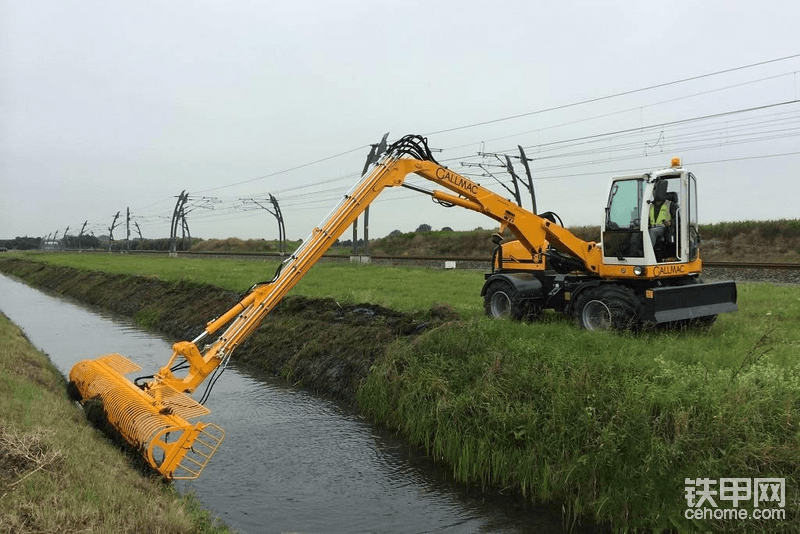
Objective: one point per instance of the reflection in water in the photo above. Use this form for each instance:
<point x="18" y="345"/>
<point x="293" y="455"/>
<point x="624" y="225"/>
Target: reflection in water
<point x="290" y="461"/>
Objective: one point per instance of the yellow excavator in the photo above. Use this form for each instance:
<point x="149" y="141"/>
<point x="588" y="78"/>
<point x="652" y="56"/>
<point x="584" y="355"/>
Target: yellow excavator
<point x="633" y="277"/>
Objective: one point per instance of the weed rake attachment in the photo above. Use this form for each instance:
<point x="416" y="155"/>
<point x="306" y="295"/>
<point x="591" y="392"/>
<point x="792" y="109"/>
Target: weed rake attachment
<point x="154" y="417"/>
<point x="154" y="420"/>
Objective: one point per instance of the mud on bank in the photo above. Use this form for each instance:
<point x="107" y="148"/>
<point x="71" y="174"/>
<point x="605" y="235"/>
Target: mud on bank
<point x="313" y="343"/>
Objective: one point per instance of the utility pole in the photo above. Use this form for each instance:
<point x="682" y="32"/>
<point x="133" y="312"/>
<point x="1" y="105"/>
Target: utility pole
<point x="515" y="179"/>
<point x="176" y="215"/>
<point x="111" y="231"/>
<point x="507" y="165"/>
<point x="375" y="152"/>
<point x="80" y="235"/>
<point x="277" y="214"/>
<point x="128" y="226"/>
<point x="525" y="161"/>
<point x="281" y="227"/>
<point x="185" y="231"/>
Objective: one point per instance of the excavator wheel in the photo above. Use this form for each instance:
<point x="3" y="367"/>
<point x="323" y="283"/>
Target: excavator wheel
<point x="606" y="307"/>
<point x="502" y="301"/>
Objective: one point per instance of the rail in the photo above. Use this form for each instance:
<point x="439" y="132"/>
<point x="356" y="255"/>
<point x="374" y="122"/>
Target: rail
<point x="414" y="259"/>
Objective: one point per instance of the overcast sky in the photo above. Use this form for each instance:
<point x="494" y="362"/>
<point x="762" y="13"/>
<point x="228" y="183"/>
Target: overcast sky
<point x="110" y="105"/>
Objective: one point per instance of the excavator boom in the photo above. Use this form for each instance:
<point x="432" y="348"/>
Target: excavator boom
<point x="154" y="416"/>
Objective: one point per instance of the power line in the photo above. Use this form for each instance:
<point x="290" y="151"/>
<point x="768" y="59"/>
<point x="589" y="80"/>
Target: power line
<point x="638" y="169"/>
<point x="628" y="110"/>
<point x="615" y="95"/>
<point x="324" y="195"/>
<point x="658" y="125"/>
<point x="728" y="125"/>
<point x="555" y="108"/>
<point x="287" y="170"/>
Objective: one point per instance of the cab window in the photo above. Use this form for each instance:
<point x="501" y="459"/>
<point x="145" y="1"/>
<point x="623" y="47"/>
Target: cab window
<point x="625" y="205"/>
<point x="622" y="237"/>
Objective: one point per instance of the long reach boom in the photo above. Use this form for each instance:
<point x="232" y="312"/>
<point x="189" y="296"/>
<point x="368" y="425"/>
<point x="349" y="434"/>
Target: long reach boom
<point x="153" y="416"/>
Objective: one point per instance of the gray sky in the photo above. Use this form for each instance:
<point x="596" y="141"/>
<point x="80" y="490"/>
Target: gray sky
<point x="108" y="105"/>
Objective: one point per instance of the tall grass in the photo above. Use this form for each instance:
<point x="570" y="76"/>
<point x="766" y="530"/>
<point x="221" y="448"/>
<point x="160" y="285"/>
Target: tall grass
<point x="610" y="425"/>
<point x="57" y="474"/>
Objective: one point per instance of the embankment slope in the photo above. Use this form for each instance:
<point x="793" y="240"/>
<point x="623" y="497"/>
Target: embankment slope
<point x="314" y="343"/>
<point x="609" y="425"/>
<point x="58" y="474"/>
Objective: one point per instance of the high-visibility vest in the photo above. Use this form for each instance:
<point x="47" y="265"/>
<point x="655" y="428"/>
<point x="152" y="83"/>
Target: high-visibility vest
<point x="663" y="214"/>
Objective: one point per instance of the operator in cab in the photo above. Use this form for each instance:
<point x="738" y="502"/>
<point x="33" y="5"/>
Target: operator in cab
<point x="661" y="212"/>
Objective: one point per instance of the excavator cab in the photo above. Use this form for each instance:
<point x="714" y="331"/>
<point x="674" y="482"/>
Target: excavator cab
<point x="651" y="219"/>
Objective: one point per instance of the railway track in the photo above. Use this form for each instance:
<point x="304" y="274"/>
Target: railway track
<point x="774" y="272"/>
<point x="461" y="261"/>
<point x="751" y="265"/>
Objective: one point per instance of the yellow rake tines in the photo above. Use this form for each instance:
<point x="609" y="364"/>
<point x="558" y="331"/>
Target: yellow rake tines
<point x="153" y="420"/>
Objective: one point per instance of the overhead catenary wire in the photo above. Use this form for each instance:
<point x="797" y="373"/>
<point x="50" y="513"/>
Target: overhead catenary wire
<point x="614" y="95"/>
<point x="299" y="197"/>
<point x="295" y="168"/>
<point x="564" y="106"/>
<point x="630" y="109"/>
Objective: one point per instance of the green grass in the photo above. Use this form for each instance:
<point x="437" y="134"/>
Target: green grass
<point x="399" y="288"/>
<point x="57" y="474"/>
<point x="610" y="425"/>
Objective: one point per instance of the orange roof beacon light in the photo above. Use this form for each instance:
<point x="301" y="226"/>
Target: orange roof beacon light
<point x="676" y="162"/>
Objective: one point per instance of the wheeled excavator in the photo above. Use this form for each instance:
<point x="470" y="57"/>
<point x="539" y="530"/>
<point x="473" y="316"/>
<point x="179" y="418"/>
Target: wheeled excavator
<point x="625" y="280"/>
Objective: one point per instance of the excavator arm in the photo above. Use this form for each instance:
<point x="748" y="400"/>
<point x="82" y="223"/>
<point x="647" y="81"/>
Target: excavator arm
<point x="148" y="415"/>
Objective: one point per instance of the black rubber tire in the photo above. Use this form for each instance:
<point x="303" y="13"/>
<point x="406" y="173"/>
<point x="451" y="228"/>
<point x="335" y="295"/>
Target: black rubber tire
<point x="502" y="301"/>
<point x="607" y="307"/>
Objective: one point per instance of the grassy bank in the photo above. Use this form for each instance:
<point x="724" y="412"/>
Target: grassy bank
<point x="326" y="345"/>
<point x="58" y="474"/>
<point x="406" y="289"/>
<point x="611" y="425"/>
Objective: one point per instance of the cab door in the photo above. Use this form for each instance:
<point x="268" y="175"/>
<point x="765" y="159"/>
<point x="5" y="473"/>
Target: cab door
<point x="622" y="235"/>
<point x="693" y="223"/>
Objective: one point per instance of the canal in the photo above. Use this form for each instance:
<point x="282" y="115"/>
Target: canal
<point x="290" y="462"/>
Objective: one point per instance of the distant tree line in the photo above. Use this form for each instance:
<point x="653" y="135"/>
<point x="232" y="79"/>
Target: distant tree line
<point x="84" y="241"/>
<point x="22" y="243"/>
<point x="90" y="242"/>
<point x="162" y="244"/>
